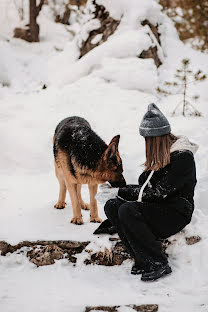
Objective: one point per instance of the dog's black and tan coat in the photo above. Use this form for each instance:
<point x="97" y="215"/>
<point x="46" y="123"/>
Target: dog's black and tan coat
<point x="82" y="157"/>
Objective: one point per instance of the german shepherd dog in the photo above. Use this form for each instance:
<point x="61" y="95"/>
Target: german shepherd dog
<point x="82" y="157"/>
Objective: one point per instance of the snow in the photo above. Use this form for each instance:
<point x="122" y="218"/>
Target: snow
<point x="125" y="45"/>
<point x="96" y="39"/>
<point x="111" y="88"/>
<point x="129" y="73"/>
<point x="134" y="13"/>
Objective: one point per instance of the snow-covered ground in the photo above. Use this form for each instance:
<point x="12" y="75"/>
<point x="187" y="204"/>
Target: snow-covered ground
<point x="111" y="88"/>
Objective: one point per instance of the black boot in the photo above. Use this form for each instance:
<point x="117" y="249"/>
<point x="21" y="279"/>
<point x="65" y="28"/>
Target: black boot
<point x="139" y="267"/>
<point x="106" y="228"/>
<point x="157" y="271"/>
<point x="136" y="269"/>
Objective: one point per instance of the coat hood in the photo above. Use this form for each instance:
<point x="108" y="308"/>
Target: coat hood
<point x="182" y="144"/>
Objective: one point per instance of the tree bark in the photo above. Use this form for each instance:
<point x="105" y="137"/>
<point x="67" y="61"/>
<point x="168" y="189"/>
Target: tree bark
<point x="34" y="27"/>
<point x="107" y="28"/>
<point x="31" y="31"/>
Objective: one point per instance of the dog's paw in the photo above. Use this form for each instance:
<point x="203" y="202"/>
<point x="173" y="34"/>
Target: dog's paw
<point x="77" y="220"/>
<point x="60" y="205"/>
<point x="95" y="219"/>
<point x="85" y="206"/>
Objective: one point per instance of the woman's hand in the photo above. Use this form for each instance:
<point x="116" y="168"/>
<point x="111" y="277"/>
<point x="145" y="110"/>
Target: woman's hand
<point x="130" y="192"/>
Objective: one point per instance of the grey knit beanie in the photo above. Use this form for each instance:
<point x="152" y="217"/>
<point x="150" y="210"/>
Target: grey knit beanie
<point x="154" y="123"/>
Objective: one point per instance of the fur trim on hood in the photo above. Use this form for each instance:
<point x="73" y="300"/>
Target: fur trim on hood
<point x="182" y="144"/>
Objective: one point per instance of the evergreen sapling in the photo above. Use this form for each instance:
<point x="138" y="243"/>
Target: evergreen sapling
<point x="185" y="76"/>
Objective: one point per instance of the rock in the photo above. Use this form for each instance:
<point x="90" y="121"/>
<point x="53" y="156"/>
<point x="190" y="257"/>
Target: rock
<point x="192" y="240"/>
<point x="46" y="252"/>
<point x="102" y="308"/>
<point x="4" y="248"/>
<point x="138" y="308"/>
<point x="145" y="308"/>
<point x="110" y="258"/>
<point x="45" y="255"/>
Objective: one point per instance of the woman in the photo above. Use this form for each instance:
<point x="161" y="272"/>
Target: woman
<point x="162" y="204"/>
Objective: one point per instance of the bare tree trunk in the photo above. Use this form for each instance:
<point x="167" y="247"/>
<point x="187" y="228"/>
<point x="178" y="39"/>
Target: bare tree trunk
<point x="34" y="27"/>
<point x="30" y="32"/>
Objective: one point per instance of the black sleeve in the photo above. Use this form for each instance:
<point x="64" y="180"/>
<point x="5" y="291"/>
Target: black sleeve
<point x="143" y="177"/>
<point x="179" y="171"/>
<point x="130" y="192"/>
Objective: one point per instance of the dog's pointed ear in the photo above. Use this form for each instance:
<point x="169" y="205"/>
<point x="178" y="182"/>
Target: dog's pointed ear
<point x="115" y="139"/>
<point x="111" y="151"/>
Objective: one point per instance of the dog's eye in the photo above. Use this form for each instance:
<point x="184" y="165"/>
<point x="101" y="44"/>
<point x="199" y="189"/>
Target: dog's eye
<point x="118" y="167"/>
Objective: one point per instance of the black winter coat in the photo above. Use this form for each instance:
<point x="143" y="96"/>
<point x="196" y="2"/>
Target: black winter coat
<point x="171" y="187"/>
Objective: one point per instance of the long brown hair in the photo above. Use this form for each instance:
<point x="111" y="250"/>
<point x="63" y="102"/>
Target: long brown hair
<point x="158" y="151"/>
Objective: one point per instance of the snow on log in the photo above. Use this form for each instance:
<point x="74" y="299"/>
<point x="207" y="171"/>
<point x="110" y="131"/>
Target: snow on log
<point x="108" y="26"/>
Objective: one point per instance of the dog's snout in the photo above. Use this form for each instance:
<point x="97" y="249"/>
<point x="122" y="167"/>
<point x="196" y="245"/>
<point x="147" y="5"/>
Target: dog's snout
<point x="121" y="182"/>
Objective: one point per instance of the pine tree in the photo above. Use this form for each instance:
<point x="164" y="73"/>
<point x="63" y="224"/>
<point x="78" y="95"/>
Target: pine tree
<point x="184" y="78"/>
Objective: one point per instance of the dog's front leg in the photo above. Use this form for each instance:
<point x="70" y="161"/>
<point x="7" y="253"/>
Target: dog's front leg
<point x="93" y="203"/>
<point x="77" y="216"/>
<point x="83" y="205"/>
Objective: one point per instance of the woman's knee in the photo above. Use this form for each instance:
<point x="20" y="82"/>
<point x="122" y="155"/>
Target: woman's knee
<point x="128" y="210"/>
<point x="123" y="211"/>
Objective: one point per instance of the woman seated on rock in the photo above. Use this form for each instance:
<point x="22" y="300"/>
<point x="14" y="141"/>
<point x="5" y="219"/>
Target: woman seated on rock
<point x="162" y="204"/>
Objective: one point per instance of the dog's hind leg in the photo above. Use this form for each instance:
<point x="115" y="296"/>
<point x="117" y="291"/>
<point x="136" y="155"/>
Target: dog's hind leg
<point x="62" y="188"/>
<point x="84" y="205"/>
<point x="93" y="203"/>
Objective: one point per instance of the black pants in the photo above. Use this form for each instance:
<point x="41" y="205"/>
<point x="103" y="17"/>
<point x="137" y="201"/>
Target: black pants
<point x="140" y="234"/>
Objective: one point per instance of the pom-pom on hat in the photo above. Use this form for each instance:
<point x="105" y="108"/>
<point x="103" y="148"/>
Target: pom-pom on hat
<point x="154" y="123"/>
